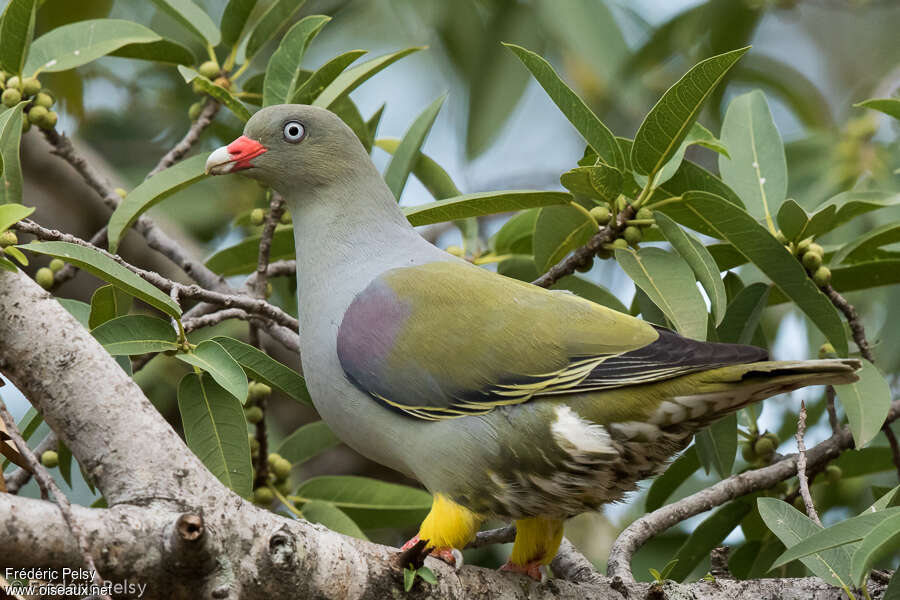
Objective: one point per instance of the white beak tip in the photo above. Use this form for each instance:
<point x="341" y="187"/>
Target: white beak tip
<point x="219" y="162"/>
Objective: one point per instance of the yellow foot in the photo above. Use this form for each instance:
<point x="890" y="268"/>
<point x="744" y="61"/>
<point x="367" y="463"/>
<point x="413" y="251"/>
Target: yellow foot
<point x="535" y="569"/>
<point x="451" y="556"/>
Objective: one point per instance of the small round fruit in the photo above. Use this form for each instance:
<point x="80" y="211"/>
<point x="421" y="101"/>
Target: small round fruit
<point x="803" y="245"/>
<point x="273" y="458"/>
<point x="455" y="251"/>
<point x="31" y="86"/>
<point x="257" y="216"/>
<point x="11" y="97"/>
<point x="254" y="443"/>
<point x="254" y="414"/>
<point x="56" y="265"/>
<point x="833" y="473"/>
<point x="286" y="218"/>
<point x="604" y="254"/>
<point x="764" y="447"/>
<point x="747" y="452"/>
<point x="601" y="214"/>
<point x="817" y="249"/>
<point x="37" y="114"/>
<point x="263" y="496"/>
<point x="269" y="289"/>
<point x="44" y="278"/>
<point x="282" y="469"/>
<point x="50" y="120"/>
<point x="209" y="69"/>
<point x="822" y="276"/>
<point x="194" y="110"/>
<point x="586" y="266"/>
<point x="14" y="82"/>
<point x="195" y="87"/>
<point x="284" y="487"/>
<point x="812" y="261"/>
<point x="26" y="125"/>
<point x="121" y="192"/>
<point x="258" y="390"/>
<point x="644" y="213"/>
<point x="43" y="99"/>
<point x="619" y="244"/>
<point x="632" y="235"/>
<point x="8" y="238"/>
<point x="772" y="437"/>
<point x="50" y="459"/>
<point x="826" y="350"/>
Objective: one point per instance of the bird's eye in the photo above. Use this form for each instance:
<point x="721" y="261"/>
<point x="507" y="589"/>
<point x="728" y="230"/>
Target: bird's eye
<point x="294" y="131"/>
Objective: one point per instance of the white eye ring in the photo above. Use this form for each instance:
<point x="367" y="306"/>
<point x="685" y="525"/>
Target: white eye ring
<point x="294" y="131"/>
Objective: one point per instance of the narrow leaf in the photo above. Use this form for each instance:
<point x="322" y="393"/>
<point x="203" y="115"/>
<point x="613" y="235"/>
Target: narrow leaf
<point x="162" y="51"/>
<point x="668" y="123"/>
<point x="429" y="173"/>
<point x="369" y="502"/>
<point x="81" y="42"/>
<point x="244" y="256"/>
<point x="78" y="309"/>
<point x="349" y="80"/>
<point x="757" y="169"/>
<point x="16" y="31"/>
<point x="717" y="445"/>
<point x="13" y="213"/>
<point x="591" y="128"/>
<point x="884" y="538"/>
<point x="332" y="517"/>
<point x="889" y="106"/>
<point x="215" y="360"/>
<point x="306" y="442"/>
<point x="699" y="260"/>
<point x="108" y="270"/>
<point x="866" y="246"/>
<point x="762" y="249"/>
<point x="135" y="334"/>
<point x="846" y="206"/>
<point x="216" y="431"/>
<point x="744" y="314"/>
<point x="322" y="77"/>
<point x="792" y="219"/>
<point x="151" y="192"/>
<point x="193" y="18"/>
<point x="866" y="403"/>
<point x="264" y="368"/>
<point x="670" y="284"/>
<point x="10" y="138"/>
<point x="481" y="204"/>
<point x="275" y="17"/>
<point x="558" y="231"/>
<point x="108" y="302"/>
<point x="407" y="152"/>
<point x="216" y="91"/>
<point x="234" y="18"/>
<point x="283" y="72"/>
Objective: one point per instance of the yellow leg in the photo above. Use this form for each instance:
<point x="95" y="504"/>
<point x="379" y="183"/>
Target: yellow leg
<point x="537" y="540"/>
<point x="448" y="526"/>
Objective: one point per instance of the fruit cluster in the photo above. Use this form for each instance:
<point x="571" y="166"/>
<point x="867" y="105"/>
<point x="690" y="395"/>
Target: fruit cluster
<point x="279" y="471"/>
<point x="46" y="276"/>
<point x="811" y="255"/>
<point x="40" y="102"/>
<point x="759" y="451"/>
<point x="630" y="235"/>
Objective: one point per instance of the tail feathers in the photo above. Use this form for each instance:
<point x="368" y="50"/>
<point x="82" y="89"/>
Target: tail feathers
<point x="713" y="394"/>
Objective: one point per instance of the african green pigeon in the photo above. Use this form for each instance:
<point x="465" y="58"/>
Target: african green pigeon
<point x="504" y="399"/>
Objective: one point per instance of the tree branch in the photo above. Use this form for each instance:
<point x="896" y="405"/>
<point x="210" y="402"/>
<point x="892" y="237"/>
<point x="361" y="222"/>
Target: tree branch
<point x="801" y="467"/>
<point x="207" y="114"/>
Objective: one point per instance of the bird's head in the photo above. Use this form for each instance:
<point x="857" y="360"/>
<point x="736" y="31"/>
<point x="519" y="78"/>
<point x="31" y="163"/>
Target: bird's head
<point x="291" y="147"/>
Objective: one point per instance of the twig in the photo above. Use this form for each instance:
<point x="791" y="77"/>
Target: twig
<point x="501" y="535"/>
<point x="215" y="318"/>
<point x="584" y="255"/>
<point x="49" y="487"/>
<point x="207" y="114"/>
<point x="252" y="305"/>
<point x="832" y="413"/>
<point x="856" y="326"/>
<point x="895" y="447"/>
<point x="276" y="209"/>
<point x="18" y="478"/>
<point x="801" y="467"/>
<point x="156" y="238"/>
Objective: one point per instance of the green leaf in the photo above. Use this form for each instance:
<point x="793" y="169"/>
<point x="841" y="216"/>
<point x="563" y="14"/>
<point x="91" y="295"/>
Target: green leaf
<point x="216" y="91"/>
<point x="108" y="270"/>
<point x="427" y="575"/>
<point x="10" y="138"/>
<point x="698" y="135"/>
<point x="108" y="302"/>
<point x="283" y="72"/>
<point x="884" y="538"/>
<point x="234" y="18"/>
<point x="16" y="31"/>
<point x="17" y="254"/>
<point x="13" y="213"/>
<point x="306" y="442"/>
<point x="676" y="474"/>
<point x="757" y="169"/>
<point x="558" y="231"/>
<point x="892" y="592"/>
<point x="699" y="260"/>
<point x="264" y="368"/>
<point x="846" y="206"/>
<point x="244" y="256"/>
<point x="65" y="463"/>
<point x="844" y="532"/>
<point x="717" y="445"/>
<point x="762" y="249"/>
<point x="350" y="79"/>
<point x="792" y="219"/>
<point x="193" y="18"/>
<point x="481" y="204"/>
<point x="706" y="536"/>
<point x="369" y="502"/>
<point x="322" y="77"/>
<point x="332" y="517"/>
<point x="889" y="106"/>
<point x="886" y="500"/>
<point x="791" y="526"/>
<point x="135" y="334"/>
<point x="866" y="403"/>
<point x="669" y="122"/>
<point x="409" y="578"/>
<point x="162" y="51"/>
<point x="599" y="181"/>
<point x="866" y="246"/>
<point x="276" y="16"/>
<point x="81" y="42"/>
<point x="407" y="153"/>
<point x="429" y="173"/>
<point x="347" y="110"/>
<point x="744" y="314"/>
<point x="590" y="291"/>
<point x="216" y="431"/>
<point x="669" y="282"/>
<point x="78" y="309"/>
<point x="516" y="234"/>
<point x="151" y="192"/>
<point x="224" y="369"/>
<point x="591" y="128"/>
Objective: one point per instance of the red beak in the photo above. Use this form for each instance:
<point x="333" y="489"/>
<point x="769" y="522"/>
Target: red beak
<point x="236" y="156"/>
